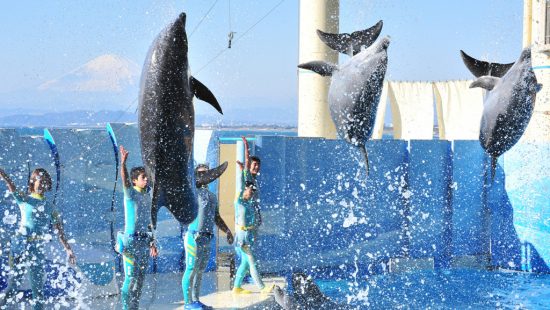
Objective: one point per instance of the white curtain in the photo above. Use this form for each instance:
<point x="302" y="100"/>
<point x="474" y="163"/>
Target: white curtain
<point x="412" y="109"/>
<point x="459" y="110"/>
<point x="378" y="129"/>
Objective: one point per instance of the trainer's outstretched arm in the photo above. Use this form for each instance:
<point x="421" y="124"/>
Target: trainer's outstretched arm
<point x="9" y="182"/>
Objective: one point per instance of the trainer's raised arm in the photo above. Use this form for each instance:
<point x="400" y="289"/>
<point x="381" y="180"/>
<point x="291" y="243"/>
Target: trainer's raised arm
<point x="9" y="182"/>
<point x="123" y="170"/>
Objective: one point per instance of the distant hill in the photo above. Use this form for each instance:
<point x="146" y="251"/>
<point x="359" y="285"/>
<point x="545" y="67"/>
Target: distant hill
<point x="234" y="118"/>
<point x="73" y="118"/>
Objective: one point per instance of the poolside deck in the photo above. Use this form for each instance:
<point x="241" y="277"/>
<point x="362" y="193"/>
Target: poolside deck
<point x="215" y="292"/>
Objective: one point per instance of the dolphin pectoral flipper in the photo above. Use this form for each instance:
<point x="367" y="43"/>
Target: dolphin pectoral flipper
<point x="154" y="206"/>
<point x="487" y="82"/>
<point x="319" y="67"/>
<point x="346" y="43"/>
<point x="480" y="68"/>
<point x="203" y="93"/>
<point x="205" y="177"/>
<point x="364" y="152"/>
<point x="494" y="161"/>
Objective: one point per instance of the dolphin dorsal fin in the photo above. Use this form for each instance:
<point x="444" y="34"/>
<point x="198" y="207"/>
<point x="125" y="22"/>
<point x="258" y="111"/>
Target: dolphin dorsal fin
<point x="486" y="82"/>
<point x="203" y="93"/>
<point x="351" y="43"/>
<point x="480" y="68"/>
<point x="319" y="67"/>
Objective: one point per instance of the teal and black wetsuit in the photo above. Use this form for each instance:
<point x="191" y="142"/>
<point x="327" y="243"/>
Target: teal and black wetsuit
<point x="246" y="222"/>
<point x="197" y="245"/>
<point x="27" y="246"/>
<point x="134" y="243"/>
<point x="246" y="176"/>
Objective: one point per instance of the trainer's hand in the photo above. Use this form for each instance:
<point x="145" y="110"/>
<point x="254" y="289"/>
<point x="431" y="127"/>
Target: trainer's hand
<point x="123" y="154"/>
<point x="241" y="165"/>
<point x="71" y="257"/>
<point x="154" y="251"/>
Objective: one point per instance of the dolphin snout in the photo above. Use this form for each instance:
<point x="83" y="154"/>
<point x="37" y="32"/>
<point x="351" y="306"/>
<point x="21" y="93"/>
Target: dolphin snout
<point x="385" y="42"/>
<point x="525" y="54"/>
<point x="182" y="18"/>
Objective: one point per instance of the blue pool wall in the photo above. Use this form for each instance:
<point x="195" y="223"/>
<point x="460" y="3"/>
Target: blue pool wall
<point x="87" y="181"/>
<point x="422" y="199"/>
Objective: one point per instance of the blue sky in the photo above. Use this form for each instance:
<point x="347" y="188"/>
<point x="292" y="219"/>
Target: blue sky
<point x="44" y="40"/>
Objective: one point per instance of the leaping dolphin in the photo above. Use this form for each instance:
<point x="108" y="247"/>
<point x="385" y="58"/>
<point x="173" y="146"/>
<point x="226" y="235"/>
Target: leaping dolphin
<point x="509" y="102"/>
<point x="356" y="85"/>
<point x="167" y="122"/>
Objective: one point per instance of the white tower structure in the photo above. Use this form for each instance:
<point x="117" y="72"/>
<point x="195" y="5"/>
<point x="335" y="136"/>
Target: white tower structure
<point x="313" y="112"/>
<point x="536" y="33"/>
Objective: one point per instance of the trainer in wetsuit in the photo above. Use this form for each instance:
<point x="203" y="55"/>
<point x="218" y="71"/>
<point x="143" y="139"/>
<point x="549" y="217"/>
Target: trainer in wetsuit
<point x="27" y="245"/>
<point x="246" y="224"/>
<point x="197" y="242"/>
<point x="250" y="169"/>
<point x="137" y="241"/>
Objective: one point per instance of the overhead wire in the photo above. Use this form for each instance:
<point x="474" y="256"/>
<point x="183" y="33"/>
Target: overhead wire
<point x="203" y="18"/>
<point x="239" y="37"/>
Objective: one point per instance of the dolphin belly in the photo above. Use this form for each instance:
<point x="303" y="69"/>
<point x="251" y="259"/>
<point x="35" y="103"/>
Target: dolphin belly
<point x="508" y="127"/>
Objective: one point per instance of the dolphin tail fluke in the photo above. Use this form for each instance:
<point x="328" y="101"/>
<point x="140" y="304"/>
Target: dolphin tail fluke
<point x="364" y="152"/>
<point x="203" y="93"/>
<point x="351" y="43"/>
<point x="480" y="68"/>
<point x="319" y="67"/>
<point x="493" y="167"/>
<point x="203" y="178"/>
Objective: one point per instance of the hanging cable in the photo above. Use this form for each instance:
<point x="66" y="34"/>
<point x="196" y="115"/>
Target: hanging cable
<point x="242" y="35"/>
<point x="231" y="32"/>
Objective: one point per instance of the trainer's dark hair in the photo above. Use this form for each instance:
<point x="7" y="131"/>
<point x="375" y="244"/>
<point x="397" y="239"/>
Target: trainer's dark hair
<point x="256" y="159"/>
<point x="39" y="174"/>
<point x="135" y="172"/>
<point x="201" y="166"/>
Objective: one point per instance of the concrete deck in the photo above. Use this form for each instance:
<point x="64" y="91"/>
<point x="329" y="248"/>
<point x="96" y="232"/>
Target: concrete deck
<point x="215" y="292"/>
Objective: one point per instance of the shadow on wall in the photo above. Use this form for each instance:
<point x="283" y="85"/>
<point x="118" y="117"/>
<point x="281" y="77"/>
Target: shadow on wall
<point x="507" y="250"/>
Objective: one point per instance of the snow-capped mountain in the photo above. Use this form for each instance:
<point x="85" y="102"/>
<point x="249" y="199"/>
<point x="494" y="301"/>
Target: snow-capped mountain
<point x="106" y="73"/>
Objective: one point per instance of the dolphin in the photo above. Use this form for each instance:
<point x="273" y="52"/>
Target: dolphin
<point x="167" y="122"/>
<point x="356" y="85"/>
<point x="508" y="104"/>
<point x="307" y="295"/>
<point x="203" y="178"/>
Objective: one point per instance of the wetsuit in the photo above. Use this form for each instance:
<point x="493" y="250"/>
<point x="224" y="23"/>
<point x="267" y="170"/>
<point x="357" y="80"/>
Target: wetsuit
<point x="246" y="223"/>
<point x="27" y="246"/>
<point x="134" y="243"/>
<point x="197" y="245"/>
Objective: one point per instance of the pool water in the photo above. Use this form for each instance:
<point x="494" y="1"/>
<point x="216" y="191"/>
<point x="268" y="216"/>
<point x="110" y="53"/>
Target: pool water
<point x="449" y="289"/>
